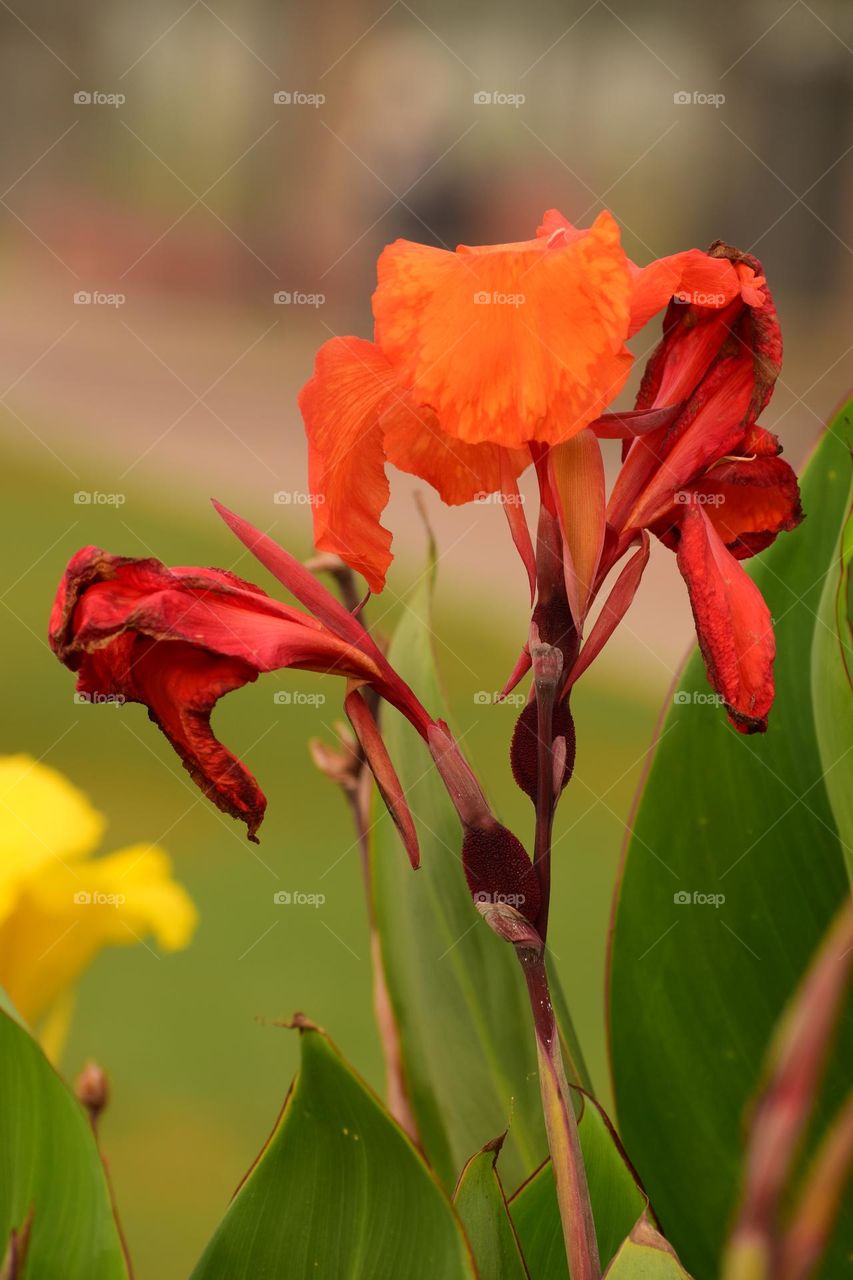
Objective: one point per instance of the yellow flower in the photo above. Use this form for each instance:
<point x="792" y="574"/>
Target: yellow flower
<point x="59" y="906"/>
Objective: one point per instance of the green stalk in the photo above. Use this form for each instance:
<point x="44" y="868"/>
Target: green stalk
<point x="561" y="1125"/>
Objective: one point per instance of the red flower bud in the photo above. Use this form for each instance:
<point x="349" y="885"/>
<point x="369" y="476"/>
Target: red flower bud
<point x="498" y="869"/>
<point x="524" y="749"/>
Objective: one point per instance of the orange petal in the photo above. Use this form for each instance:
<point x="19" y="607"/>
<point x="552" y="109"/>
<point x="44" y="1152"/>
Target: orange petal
<point x="577" y="476"/>
<point x="459" y="472"/>
<point x="691" y="277"/>
<point x="509" y="343"/>
<point x="341" y="405"/>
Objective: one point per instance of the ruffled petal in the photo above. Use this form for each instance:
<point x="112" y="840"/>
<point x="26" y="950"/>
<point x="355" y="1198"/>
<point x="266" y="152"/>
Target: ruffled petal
<point x="176" y="641"/>
<point x="692" y="278"/>
<point x="341" y="406"/>
<point x="510" y="343"/>
<point x="733" y="623"/>
<point x="459" y="472"/>
<point x="749" y="501"/>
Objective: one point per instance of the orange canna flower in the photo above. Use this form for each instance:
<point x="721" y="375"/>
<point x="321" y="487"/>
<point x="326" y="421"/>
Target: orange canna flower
<point x="478" y="356"/>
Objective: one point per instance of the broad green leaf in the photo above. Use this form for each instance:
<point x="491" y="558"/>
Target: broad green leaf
<point x="49" y="1162"/>
<point x="832" y="667"/>
<point x="456" y="989"/>
<point x="617" y="1201"/>
<point x="480" y="1203"/>
<point x="698" y="983"/>
<point x="645" y="1255"/>
<point x="338" y="1190"/>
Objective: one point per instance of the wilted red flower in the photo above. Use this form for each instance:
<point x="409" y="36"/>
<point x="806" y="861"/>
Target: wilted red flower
<point x="176" y="640"/>
<point x="710" y="484"/>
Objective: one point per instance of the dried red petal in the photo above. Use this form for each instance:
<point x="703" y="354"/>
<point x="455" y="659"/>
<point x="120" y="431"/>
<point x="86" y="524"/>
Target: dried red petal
<point x="750" y="501"/>
<point x="176" y="640"/>
<point x="733" y="623"/>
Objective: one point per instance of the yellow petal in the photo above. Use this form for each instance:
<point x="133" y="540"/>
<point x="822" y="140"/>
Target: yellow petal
<point x="64" y="916"/>
<point x="44" y="819"/>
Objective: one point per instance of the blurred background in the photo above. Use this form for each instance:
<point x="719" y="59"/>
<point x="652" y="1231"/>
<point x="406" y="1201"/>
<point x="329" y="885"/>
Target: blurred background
<point x="168" y="170"/>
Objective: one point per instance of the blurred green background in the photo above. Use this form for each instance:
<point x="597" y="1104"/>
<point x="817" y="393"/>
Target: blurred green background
<point x="199" y="198"/>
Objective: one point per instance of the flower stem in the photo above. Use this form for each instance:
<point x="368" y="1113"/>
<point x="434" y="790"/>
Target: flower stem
<point x="561" y="1125"/>
<point x="547" y="665"/>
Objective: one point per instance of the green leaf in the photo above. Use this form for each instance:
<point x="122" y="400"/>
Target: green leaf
<point x="695" y="988"/>
<point x="49" y="1162"/>
<point x="645" y="1255"/>
<point x="338" y="1190"/>
<point x="617" y="1201"/>
<point x="480" y="1203"/>
<point x="832" y="667"/>
<point x="456" y="989"/>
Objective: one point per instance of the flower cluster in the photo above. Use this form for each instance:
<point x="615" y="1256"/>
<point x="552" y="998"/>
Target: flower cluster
<point x="467" y="396"/>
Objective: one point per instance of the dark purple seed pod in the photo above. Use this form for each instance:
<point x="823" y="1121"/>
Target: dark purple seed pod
<point x="523" y="754"/>
<point x="498" y="869"/>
